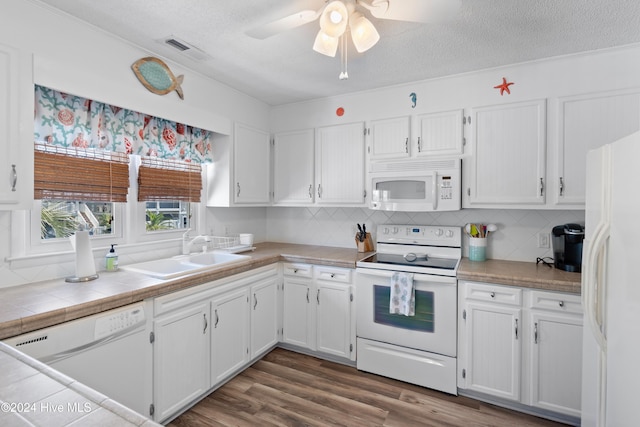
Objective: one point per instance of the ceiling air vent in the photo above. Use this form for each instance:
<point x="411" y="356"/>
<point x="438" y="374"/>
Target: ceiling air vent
<point x="185" y="48"/>
<point x="175" y="43"/>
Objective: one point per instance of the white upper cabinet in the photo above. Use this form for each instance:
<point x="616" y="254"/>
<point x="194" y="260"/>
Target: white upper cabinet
<point x="293" y="171"/>
<point x="251" y="165"/>
<point x="389" y="139"/>
<point x="586" y="122"/>
<point x="16" y="128"/>
<point x="340" y="165"/>
<point x="440" y="133"/>
<point x="507" y="166"/>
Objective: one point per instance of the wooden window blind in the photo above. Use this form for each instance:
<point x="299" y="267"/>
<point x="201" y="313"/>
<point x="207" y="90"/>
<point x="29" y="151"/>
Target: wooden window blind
<point x="80" y="174"/>
<point x="161" y="179"/>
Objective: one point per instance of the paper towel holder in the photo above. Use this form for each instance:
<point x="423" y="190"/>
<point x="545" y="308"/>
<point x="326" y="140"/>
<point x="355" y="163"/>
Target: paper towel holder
<point x="76" y="279"/>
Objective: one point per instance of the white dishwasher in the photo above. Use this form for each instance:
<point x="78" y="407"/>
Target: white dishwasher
<point x="110" y="352"/>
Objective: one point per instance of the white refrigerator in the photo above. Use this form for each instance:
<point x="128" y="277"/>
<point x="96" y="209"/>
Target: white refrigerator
<point x="611" y="286"/>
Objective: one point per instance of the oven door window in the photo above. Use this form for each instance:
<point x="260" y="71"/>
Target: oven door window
<point x="401" y="190"/>
<point x="423" y="320"/>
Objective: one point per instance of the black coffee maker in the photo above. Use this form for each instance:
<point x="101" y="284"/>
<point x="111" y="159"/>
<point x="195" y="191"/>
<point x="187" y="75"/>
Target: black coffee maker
<point x="567" y="246"/>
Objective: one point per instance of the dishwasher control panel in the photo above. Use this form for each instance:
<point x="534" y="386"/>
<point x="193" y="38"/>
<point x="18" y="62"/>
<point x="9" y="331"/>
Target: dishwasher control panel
<point x="118" y="320"/>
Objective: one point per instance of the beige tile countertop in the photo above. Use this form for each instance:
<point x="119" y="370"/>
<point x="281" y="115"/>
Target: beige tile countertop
<point x="34" y="306"/>
<point x="33" y="394"/>
<point x="515" y="273"/>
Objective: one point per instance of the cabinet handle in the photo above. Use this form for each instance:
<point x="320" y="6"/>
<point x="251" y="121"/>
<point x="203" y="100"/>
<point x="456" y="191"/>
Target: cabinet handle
<point x="516" y="328"/>
<point x="419" y="147"/>
<point x="561" y="303"/>
<point x="238" y="186"/>
<point x="14" y="178"/>
<point x="535" y="333"/>
<point x="318" y="297"/>
<point x="406" y="145"/>
<point x="307" y="295"/>
<point x="311" y="191"/>
<point x="206" y="324"/>
<point x="561" y="187"/>
<point x="319" y="193"/>
<point x="541" y="187"/>
<point x="255" y="301"/>
<point x="493" y="294"/>
<point x="215" y="325"/>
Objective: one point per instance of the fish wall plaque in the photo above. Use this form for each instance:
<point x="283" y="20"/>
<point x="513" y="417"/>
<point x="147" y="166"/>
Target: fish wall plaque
<point x="156" y="76"/>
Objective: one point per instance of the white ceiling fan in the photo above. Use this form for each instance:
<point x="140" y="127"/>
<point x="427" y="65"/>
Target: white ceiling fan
<point x="336" y="15"/>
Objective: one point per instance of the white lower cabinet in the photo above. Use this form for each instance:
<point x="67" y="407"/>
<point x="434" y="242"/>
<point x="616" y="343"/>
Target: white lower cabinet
<point x="229" y="334"/>
<point x="265" y="319"/>
<point x="318" y="311"/>
<point x="180" y="358"/>
<point x="521" y="345"/>
<point x="556" y="352"/>
<point x="202" y="336"/>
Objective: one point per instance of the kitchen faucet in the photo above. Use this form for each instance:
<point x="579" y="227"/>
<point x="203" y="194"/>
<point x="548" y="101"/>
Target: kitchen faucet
<point x="187" y="243"/>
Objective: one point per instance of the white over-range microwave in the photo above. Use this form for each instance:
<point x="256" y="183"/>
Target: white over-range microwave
<point x="417" y="186"/>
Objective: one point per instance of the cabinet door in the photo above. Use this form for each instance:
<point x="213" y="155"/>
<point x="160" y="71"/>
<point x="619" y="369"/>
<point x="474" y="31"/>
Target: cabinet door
<point x="390" y="139"/>
<point x="587" y="122"/>
<point x="440" y="133"/>
<point x="333" y="316"/>
<point x="264" y="316"/>
<point x="556" y="362"/>
<point x="340" y="165"/>
<point x="508" y="159"/>
<point x="293" y="168"/>
<point x="229" y="334"/>
<point x="299" y="313"/>
<point x="251" y="165"/>
<point x="180" y="359"/>
<point x="16" y="128"/>
<point x="493" y="349"/>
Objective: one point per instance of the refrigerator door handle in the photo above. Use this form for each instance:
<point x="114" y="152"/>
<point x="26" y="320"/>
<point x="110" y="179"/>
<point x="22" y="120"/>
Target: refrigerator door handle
<point x="592" y="283"/>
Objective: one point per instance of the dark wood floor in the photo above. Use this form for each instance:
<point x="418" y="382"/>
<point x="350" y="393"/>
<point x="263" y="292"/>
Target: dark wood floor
<point x="291" y="389"/>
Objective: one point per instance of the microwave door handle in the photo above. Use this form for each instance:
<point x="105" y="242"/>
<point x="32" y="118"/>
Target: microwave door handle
<point x="434" y="191"/>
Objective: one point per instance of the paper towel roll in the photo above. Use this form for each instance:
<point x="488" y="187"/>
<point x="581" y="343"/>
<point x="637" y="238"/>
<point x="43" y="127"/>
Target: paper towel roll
<point x="85" y="264"/>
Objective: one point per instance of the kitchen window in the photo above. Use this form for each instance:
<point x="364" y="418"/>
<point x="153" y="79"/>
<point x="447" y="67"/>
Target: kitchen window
<point x="94" y="191"/>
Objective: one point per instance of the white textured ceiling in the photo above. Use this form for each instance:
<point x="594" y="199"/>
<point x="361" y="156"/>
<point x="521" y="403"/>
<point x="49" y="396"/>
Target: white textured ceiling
<point x="284" y="68"/>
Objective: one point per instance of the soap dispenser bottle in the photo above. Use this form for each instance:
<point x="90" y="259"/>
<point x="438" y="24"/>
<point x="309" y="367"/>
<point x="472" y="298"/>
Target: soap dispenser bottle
<point x="111" y="260"/>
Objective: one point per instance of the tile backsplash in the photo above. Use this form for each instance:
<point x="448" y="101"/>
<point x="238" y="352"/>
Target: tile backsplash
<point x="515" y="240"/>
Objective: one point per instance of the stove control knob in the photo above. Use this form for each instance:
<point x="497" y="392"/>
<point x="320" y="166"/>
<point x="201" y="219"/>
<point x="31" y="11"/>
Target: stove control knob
<point x="385" y="231"/>
<point x="395" y="230"/>
<point x="438" y="232"/>
<point x="449" y="233"/>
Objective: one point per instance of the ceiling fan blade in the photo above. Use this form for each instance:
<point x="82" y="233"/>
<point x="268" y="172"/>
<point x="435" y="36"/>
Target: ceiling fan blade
<point x="426" y="11"/>
<point x="283" y="24"/>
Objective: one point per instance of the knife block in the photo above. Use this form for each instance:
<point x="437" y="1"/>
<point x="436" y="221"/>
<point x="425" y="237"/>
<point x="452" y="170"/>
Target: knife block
<point x="367" y="245"/>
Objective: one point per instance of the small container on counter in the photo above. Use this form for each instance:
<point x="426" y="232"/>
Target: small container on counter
<point x="477" y="248"/>
<point x="111" y="259"/>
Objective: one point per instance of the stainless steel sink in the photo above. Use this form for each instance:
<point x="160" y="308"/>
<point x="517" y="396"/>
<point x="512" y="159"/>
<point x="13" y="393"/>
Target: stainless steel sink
<point x="169" y="268"/>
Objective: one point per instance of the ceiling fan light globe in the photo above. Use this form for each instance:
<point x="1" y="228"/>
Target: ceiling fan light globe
<point x="333" y="20"/>
<point x="325" y="44"/>
<point x="363" y="32"/>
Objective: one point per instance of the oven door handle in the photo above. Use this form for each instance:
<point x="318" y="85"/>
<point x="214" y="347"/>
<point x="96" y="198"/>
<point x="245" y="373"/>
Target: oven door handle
<point x="417" y="277"/>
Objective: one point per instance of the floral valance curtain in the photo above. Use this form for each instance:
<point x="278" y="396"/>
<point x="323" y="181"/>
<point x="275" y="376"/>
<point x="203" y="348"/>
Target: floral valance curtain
<point x="70" y="121"/>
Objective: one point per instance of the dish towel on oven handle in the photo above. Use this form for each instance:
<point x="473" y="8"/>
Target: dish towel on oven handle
<point x="402" y="296"/>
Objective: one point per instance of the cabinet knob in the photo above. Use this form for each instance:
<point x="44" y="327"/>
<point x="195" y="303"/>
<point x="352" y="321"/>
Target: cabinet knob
<point x="333" y="275"/>
<point x="561" y="303"/>
<point x="493" y="294"/>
